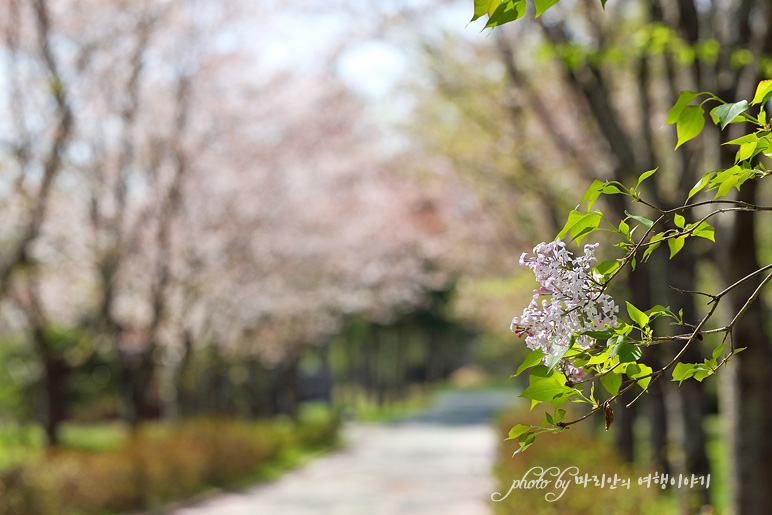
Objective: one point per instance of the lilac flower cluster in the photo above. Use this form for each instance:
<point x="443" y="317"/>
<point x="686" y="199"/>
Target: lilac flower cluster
<point x="572" y="299"/>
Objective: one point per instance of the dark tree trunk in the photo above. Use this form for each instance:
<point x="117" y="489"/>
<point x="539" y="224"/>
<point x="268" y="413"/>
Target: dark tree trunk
<point x="55" y="373"/>
<point x="750" y="375"/>
<point x="692" y="406"/>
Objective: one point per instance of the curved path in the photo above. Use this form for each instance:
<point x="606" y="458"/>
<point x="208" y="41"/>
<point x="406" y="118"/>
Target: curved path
<point x="436" y="463"/>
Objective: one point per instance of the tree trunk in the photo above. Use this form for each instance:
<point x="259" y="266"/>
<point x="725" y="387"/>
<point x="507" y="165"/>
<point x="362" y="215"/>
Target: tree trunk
<point x="750" y="375"/>
<point x="55" y="372"/>
<point x="692" y="402"/>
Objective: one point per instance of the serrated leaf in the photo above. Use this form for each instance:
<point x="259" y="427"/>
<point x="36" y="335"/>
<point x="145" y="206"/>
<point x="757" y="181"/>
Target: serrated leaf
<point x="690" y="123"/>
<point x="763" y="92"/>
<point x="532" y="359"/>
<point x="683" y="100"/>
<point x="611" y="382"/>
<point x="728" y="112"/>
<point x="675" y="244"/>
<point x="543" y="5"/>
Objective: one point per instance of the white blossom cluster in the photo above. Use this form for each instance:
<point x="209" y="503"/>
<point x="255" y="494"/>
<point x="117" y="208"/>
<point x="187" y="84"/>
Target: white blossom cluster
<point x="570" y="299"/>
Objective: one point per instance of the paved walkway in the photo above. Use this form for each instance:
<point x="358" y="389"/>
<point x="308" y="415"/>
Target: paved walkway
<point x="436" y="463"/>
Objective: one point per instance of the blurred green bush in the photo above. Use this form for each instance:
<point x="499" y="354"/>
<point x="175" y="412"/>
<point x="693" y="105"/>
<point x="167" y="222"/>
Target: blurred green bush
<point x="158" y="463"/>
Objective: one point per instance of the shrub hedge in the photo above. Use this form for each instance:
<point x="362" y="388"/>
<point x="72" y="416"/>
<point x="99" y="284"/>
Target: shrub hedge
<point x="158" y="463"/>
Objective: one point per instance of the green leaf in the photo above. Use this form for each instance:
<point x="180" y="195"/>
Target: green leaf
<point x="556" y="355"/>
<point x="518" y="430"/>
<point x="701" y="184"/>
<point x="690" y="123"/>
<point x="746" y="150"/>
<point x="728" y="112"/>
<point x="526" y="441"/>
<point x="506" y="12"/>
<point x="637" y="316"/>
<point x="585" y="225"/>
<point x="611" y="382"/>
<point x="743" y="139"/>
<point x="482" y="7"/>
<point x="683" y="371"/>
<point x="628" y="353"/>
<point x="603" y="3"/>
<point x="607" y="267"/>
<point x="642" y="219"/>
<point x="545" y="390"/>
<point x="559" y="414"/>
<point x="600" y="335"/>
<point x="652" y="248"/>
<point x="540" y="372"/>
<point x="718" y="350"/>
<point x="543" y="5"/>
<point x="675" y="244"/>
<point x="600" y="358"/>
<point x="533" y="358"/>
<point x="679" y="221"/>
<point x="704" y="230"/>
<point x="763" y="92"/>
<point x="644" y="176"/>
<point x="611" y="189"/>
<point x="592" y="193"/>
<point x="573" y="217"/>
<point x="675" y="112"/>
<point x="639" y="370"/>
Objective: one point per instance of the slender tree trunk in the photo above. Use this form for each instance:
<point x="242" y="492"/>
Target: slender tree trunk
<point x="692" y="403"/>
<point x="750" y="375"/>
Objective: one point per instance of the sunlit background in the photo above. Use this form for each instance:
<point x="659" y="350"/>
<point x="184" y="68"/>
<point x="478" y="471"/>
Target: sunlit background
<point x="235" y="235"/>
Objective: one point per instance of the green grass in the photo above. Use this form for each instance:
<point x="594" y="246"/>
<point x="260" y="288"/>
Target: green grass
<point x="20" y="443"/>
